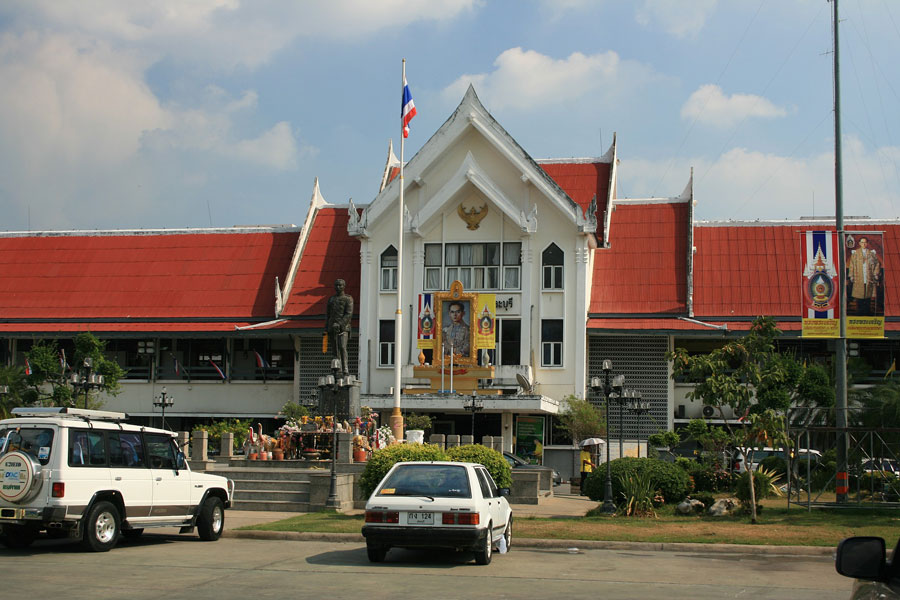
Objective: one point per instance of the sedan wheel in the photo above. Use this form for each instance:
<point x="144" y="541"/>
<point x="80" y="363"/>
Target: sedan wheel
<point x="483" y="554"/>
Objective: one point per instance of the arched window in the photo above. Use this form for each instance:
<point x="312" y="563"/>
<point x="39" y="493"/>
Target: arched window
<point x="389" y="269"/>
<point x="552" y="262"/>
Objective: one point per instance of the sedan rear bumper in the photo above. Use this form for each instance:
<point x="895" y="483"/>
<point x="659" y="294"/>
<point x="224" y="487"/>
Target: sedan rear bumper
<point x="424" y="537"/>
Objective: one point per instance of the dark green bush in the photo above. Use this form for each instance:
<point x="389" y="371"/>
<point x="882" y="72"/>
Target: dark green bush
<point x="709" y="477"/>
<point x="490" y="458"/>
<point x="669" y="479"/>
<point x="762" y="484"/>
<point x="382" y="460"/>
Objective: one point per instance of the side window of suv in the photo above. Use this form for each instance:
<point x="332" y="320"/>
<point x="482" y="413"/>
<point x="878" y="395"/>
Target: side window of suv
<point x="86" y="448"/>
<point x="126" y="449"/>
<point x="161" y="451"/>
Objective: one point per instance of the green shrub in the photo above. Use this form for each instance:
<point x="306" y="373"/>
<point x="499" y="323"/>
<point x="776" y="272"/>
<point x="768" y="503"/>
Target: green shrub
<point x="708" y="477"/>
<point x="637" y="494"/>
<point x="765" y="483"/>
<point x="217" y="428"/>
<point x="669" y="479"/>
<point x="490" y="458"/>
<point x="382" y="460"/>
<point x="686" y="463"/>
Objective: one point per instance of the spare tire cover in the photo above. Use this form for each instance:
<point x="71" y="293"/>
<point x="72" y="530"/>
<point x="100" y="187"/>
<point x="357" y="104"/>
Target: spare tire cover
<point x="20" y="477"/>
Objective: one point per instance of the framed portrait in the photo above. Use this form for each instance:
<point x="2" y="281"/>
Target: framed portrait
<point x="457" y="327"/>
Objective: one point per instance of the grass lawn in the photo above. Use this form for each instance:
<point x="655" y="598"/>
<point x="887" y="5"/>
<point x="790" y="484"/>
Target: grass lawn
<point x="777" y="525"/>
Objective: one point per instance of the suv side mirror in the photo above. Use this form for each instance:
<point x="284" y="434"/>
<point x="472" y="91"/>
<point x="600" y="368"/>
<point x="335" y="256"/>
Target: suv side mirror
<point x="180" y="462"/>
<point x="861" y="558"/>
<point x="503" y="492"/>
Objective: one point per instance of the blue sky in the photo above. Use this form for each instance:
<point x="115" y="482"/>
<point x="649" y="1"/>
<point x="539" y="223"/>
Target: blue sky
<point x="177" y="113"/>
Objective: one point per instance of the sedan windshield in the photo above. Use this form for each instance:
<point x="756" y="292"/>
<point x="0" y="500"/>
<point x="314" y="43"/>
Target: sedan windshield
<point x="447" y="481"/>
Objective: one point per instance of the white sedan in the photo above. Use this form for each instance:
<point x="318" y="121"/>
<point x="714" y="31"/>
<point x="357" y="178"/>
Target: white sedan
<point x="438" y="505"/>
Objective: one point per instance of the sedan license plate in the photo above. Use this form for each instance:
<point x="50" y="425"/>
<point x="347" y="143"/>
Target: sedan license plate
<point x="419" y="518"/>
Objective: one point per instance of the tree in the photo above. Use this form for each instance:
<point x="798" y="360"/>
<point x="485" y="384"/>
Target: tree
<point x="48" y="384"/>
<point x="14" y="379"/>
<point x="757" y="382"/>
<point x="581" y="419"/>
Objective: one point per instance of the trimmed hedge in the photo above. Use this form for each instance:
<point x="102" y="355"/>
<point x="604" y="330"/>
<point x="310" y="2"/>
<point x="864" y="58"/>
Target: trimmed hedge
<point x="490" y="458"/>
<point x="667" y="478"/>
<point x="382" y="460"/>
<point x="762" y="485"/>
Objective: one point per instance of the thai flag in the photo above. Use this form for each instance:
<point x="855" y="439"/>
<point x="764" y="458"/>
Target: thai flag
<point x="63" y="365"/>
<point x="177" y="366"/>
<point x="407" y="108"/>
<point x="27" y="367"/>
<point x="260" y="361"/>
<point x="216" y="367"/>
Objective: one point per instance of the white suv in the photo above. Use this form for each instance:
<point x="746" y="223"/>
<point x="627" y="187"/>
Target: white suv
<point x="87" y="474"/>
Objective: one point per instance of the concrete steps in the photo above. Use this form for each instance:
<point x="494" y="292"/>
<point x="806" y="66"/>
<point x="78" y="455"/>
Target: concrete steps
<point x="270" y="485"/>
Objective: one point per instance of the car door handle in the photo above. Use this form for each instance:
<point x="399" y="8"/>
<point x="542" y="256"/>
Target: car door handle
<point x="118" y="479"/>
<point x="198" y="485"/>
<point x="159" y="478"/>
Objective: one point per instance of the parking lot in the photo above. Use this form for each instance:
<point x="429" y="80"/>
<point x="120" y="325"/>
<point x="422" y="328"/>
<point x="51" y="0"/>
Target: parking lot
<point x="167" y="566"/>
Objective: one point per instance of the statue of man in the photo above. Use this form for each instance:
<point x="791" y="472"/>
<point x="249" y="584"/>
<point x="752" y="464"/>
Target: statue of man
<point x="337" y="323"/>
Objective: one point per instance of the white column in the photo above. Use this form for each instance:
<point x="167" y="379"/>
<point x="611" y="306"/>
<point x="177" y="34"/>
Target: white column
<point x="368" y="311"/>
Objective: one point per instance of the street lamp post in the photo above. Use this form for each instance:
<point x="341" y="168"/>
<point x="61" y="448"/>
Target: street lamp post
<point x="475" y="404"/>
<point x="640" y="408"/>
<point x="607" y="387"/>
<point x="163" y="400"/>
<point x="86" y="380"/>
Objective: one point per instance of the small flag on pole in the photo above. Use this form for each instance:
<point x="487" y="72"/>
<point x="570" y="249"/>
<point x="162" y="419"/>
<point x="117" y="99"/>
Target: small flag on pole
<point x="27" y="367"/>
<point x="891" y="369"/>
<point x="216" y="367"/>
<point x="63" y="365"/>
<point x="407" y="108"/>
<point x="260" y="361"/>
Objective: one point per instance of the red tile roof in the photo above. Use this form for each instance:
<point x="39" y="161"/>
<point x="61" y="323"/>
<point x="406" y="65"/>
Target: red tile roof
<point x="153" y="277"/>
<point x="751" y="270"/>
<point x="582" y="181"/>
<point x="644" y="270"/>
<point x="330" y="253"/>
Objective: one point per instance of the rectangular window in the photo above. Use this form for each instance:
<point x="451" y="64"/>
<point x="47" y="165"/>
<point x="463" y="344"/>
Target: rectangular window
<point x="386" y="330"/>
<point x="551" y="342"/>
<point x="161" y="451"/>
<point x="553" y="277"/>
<point x="126" y="449"/>
<point x="512" y="265"/>
<point x="433" y="266"/>
<point x="508" y="343"/>
<point x="86" y="448"/>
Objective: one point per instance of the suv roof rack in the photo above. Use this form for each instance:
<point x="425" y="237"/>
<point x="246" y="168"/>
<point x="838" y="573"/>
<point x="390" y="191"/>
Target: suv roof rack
<point x="69" y="412"/>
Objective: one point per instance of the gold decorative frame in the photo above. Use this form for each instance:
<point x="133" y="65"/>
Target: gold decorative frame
<point x="456" y="294"/>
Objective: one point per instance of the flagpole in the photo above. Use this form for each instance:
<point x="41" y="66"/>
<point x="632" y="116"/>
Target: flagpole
<point x="396" y="415"/>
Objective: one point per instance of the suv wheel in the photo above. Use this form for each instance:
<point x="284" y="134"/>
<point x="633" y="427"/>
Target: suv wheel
<point x="16" y="537"/>
<point x="483" y="554"/>
<point x="211" y="521"/>
<point x="102" y="527"/>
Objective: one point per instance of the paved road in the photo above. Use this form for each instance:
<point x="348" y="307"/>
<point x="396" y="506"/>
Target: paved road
<point x="161" y="567"/>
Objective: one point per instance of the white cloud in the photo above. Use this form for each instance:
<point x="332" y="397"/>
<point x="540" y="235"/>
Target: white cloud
<point x="676" y="17"/>
<point x="230" y="33"/>
<point x="710" y="106"/>
<point x="529" y="80"/>
<point x="748" y="185"/>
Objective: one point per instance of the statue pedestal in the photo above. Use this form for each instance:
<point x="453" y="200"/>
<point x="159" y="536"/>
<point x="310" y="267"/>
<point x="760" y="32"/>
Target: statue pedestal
<point x="465" y="379"/>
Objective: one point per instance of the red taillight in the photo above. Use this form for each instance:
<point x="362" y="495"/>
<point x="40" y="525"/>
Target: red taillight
<point x="377" y="516"/>
<point x="59" y="489"/>
<point x="460" y="518"/>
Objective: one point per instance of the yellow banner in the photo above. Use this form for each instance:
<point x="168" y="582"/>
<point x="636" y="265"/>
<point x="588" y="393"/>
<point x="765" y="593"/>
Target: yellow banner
<point x="486" y="314"/>
<point x="821" y="328"/>
<point x="865" y="327"/>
